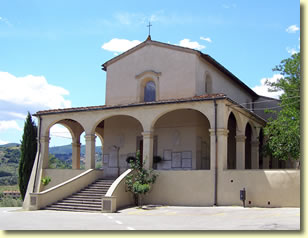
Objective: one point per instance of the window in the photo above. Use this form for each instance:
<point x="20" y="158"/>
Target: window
<point x="150" y="92"/>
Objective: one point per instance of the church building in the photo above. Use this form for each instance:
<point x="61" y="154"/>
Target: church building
<point x="176" y="104"/>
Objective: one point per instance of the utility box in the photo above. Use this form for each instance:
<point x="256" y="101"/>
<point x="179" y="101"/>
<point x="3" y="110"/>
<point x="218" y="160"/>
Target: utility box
<point x="243" y="196"/>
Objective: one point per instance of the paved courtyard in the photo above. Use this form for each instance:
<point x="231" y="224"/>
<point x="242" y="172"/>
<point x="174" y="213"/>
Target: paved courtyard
<point x="155" y="218"/>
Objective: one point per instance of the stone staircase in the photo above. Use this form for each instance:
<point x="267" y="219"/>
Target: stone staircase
<point x="88" y="199"/>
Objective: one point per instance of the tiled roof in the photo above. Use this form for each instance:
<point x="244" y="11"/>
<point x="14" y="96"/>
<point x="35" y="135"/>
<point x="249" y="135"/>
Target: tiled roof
<point x="104" y="107"/>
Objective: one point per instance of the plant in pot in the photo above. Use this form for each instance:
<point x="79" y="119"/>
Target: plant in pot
<point x="139" y="182"/>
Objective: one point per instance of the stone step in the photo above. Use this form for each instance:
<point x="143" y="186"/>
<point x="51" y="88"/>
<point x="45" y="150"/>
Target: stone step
<point x="83" y="199"/>
<point x="85" y="196"/>
<point x="90" y="194"/>
<point x="79" y="204"/>
<point x="99" y="186"/>
<point x="72" y="210"/>
<point x="86" y="200"/>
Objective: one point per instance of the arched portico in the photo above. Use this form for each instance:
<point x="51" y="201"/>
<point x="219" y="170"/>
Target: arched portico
<point x="120" y="135"/>
<point x="182" y="140"/>
<point x="75" y="129"/>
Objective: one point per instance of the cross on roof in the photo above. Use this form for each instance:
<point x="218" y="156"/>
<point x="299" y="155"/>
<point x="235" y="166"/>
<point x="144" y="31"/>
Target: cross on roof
<point x="149" y="26"/>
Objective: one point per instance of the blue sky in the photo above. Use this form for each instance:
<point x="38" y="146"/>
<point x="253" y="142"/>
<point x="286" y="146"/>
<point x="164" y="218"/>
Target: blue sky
<point x="51" y="51"/>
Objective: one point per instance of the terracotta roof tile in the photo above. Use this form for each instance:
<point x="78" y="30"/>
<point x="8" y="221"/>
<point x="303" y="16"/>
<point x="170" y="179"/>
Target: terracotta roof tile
<point x="105" y="107"/>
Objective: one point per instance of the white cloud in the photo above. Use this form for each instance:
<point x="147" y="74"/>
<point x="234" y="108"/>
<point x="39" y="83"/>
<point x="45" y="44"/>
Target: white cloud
<point x="60" y="131"/>
<point x="120" y="45"/>
<point x="263" y="89"/>
<point x="5" y="125"/>
<point x="292" y="29"/>
<point x="18" y="95"/>
<point x="6" y="21"/>
<point x="291" y="50"/>
<point x="208" y="39"/>
<point x="3" y="142"/>
<point x="191" y="44"/>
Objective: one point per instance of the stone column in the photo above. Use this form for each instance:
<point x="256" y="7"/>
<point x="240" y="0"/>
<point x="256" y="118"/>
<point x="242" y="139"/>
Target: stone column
<point x="255" y="154"/>
<point x="76" y="154"/>
<point x="90" y="151"/>
<point x="44" y="153"/>
<point x="240" y="151"/>
<point x="222" y="147"/>
<point x="148" y="149"/>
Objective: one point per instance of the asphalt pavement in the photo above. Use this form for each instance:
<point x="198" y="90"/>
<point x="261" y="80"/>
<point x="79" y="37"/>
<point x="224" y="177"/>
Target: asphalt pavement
<point x="155" y="218"/>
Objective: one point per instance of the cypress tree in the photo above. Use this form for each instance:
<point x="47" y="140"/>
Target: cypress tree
<point x="28" y="150"/>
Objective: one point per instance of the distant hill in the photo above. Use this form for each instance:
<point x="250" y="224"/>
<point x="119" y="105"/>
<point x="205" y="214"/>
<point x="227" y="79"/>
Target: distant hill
<point x="10" y="145"/>
<point x="10" y="156"/>
<point x="67" y="149"/>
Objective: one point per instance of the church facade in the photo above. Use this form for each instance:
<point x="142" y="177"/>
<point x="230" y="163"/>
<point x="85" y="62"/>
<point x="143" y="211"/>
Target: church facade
<point x="181" y="106"/>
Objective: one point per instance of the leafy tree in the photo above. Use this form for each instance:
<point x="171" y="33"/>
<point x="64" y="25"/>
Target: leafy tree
<point x="140" y="180"/>
<point x="283" y="133"/>
<point x="28" y="150"/>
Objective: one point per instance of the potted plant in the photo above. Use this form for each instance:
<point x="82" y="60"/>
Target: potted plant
<point x="140" y="180"/>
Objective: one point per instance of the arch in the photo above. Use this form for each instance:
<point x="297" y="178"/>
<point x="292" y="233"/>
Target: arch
<point x="75" y="129"/>
<point x="93" y="129"/>
<point x="239" y="121"/>
<point x="231" y="153"/>
<point x="68" y="123"/>
<point x="119" y="135"/>
<point x="183" y="139"/>
<point x="162" y="113"/>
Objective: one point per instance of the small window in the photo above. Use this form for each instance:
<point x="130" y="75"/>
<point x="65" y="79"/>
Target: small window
<point x="150" y="92"/>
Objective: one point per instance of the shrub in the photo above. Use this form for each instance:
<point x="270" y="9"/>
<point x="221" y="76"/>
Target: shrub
<point x="46" y="180"/>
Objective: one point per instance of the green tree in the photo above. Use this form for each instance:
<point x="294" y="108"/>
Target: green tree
<point x="28" y="150"/>
<point x="283" y="133"/>
<point x="140" y="180"/>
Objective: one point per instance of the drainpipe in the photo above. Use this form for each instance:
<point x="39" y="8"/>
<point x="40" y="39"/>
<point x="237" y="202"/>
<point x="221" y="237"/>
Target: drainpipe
<point x="38" y="151"/>
<point x="216" y="149"/>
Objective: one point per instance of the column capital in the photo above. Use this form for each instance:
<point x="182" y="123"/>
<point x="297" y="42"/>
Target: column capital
<point x="76" y="144"/>
<point x="220" y="132"/>
<point x="90" y="137"/>
<point x="44" y="139"/>
<point x="240" y="138"/>
<point x="147" y="134"/>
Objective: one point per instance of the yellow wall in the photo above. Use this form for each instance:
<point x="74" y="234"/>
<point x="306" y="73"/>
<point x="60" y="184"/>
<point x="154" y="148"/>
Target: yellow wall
<point x="189" y="188"/>
<point x="280" y="187"/>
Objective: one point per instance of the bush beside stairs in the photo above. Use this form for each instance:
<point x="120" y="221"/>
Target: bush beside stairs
<point x="88" y="199"/>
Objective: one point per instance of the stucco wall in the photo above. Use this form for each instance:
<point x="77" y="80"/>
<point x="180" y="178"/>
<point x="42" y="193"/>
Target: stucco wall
<point x="59" y="176"/>
<point x="220" y="83"/>
<point x="189" y="188"/>
<point x="177" y="70"/>
<point x="279" y="187"/>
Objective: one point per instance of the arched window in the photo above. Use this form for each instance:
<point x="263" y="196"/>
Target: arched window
<point x="150" y="92"/>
